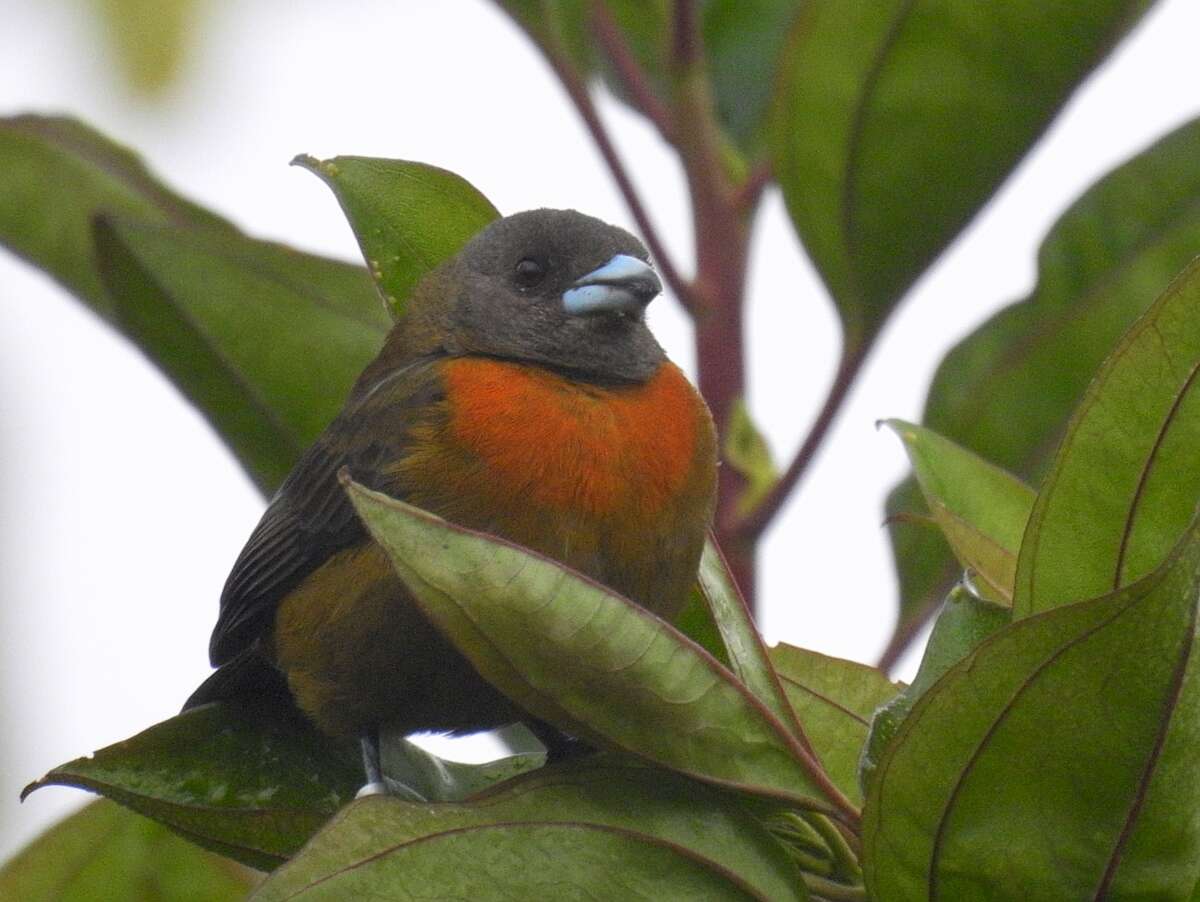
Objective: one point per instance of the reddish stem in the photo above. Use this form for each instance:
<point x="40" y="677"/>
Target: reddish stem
<point x="629" y="71"/>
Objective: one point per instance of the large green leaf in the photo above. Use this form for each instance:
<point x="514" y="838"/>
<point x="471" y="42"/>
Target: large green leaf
<point x="600" y="829"/>
<point x="107" y="852"/>
<point x="834" y="700"/>
<point x="897" y="119"/>
<point x="408" y="217"/>
<point x="266" y="342"/>
<point x="241" y="784"/>
<point x="572" y="652"/>
<point x="1058" y="761"/>
<point x="56" y="174"/>
<point x="1126" y="481"/>
<point x="1007" y="390"/>
<point x="980" y="509"/>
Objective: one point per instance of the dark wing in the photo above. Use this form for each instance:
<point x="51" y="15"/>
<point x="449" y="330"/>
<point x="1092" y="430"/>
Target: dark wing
<point x="311" y="518"/>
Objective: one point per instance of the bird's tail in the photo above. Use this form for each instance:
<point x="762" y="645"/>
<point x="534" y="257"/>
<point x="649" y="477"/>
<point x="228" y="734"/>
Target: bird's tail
<point x="248" y="680"/>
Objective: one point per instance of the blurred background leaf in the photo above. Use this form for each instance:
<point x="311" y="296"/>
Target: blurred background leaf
<point x="106" y="851"/>
<point x="151" y="40"/>
<point x="897" y="120"/>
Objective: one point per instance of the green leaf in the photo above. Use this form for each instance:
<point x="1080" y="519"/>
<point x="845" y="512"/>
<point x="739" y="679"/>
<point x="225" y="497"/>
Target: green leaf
<point x="233" y="781"/>
<point x="981" y="509"/>
<point x="265" y="341"/>
<point x="743" y="42"/>
<point x="1057" y="761"/>
<point x="834" y="700"/>
<point x="1007" y="391"/>
<point x="1125" y="483"/>
<point x="964" y="622"/>
<point x="896" y="120"/>
<point x="748" y="658"/>
<point x="56" y="175"/>
<point x="571" y="652"/>
<point x="104" y="851"/>
<point x="408" y="217"/>
<point x="747" y="452"/>
<point x="593" y="829"/>
<point x="150" y="38"/>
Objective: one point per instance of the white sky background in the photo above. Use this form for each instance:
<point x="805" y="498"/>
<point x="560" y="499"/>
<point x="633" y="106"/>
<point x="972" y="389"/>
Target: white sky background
<point x="121" y="512"/>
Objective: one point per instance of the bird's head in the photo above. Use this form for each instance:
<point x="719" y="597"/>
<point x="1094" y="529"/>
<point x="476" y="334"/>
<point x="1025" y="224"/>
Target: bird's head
<point x="550" y="287"/>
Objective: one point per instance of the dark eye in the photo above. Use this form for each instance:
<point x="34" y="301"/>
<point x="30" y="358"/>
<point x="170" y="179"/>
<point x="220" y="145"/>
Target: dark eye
<point x="529" y="272"/>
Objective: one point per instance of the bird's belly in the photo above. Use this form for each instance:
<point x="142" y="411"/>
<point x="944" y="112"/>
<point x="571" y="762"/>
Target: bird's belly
<point x="357" y="652"/>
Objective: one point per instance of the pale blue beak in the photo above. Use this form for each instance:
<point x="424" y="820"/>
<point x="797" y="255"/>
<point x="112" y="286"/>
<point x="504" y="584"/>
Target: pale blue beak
<point x="624" y="284"/>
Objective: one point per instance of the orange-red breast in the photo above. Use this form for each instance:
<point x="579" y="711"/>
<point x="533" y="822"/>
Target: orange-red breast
<point x="523" y="395"/>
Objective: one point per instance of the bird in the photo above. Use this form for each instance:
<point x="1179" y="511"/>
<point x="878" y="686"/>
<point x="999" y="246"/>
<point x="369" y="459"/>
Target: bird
<point x="521" y="394"/>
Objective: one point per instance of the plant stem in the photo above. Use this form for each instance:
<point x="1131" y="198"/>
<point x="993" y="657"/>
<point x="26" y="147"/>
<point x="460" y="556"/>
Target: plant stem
<point x="632" y="76"/>
<point x="854" y="354"/>
<point x="835" y="892"/>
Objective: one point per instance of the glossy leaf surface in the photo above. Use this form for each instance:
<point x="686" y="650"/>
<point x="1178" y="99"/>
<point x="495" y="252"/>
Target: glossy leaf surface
<point x="1057" y="761"/>
<point x="591" y="829"/>
<point x="597" y="665"/>
<point x="408" y="217"/>
<point x="247" y="787"/>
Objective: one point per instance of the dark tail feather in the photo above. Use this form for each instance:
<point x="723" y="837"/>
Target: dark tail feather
<point x="250" y="681"/>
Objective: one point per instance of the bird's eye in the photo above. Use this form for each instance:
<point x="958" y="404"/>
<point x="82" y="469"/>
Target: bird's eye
<point x="529" y="272"/>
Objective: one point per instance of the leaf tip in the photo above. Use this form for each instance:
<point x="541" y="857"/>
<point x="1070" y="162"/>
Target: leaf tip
<point x="322" y="168"/>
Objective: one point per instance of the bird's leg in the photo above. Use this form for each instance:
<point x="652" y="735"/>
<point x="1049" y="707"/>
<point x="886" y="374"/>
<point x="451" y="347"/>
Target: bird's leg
<point x="369" y="741"/>
<point x="560" y="746"/>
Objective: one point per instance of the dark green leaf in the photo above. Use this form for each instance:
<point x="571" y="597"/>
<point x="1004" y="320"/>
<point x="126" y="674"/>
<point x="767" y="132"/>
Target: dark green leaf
<point x="106" y="852"/>
<point x="596" y="829"/>
<point x="1057" y="761"/>
<point x="964" y="622"/>
<point x="408" y="217"/>
<point x="834" y="700"/>
<point x="1126" y="481"/>
<point x="248" y="787"/>
<point x="573" y="653"/>
<point x="56" y="175"/>
<point x="981" y="509"/>
<point x="897" y="119"/>
<point x="1007" y="390"/>
<point x="264" y="340"/>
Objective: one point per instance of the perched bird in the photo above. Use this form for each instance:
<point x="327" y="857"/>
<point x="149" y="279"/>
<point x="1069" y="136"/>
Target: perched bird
<point x="522" y="394"/>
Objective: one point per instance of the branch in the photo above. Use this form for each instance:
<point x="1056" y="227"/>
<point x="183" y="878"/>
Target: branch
<point x="687" y="34"/>
<point x="749" y="191"/>
<point x="853" y="357"/>
<point x="629" y="71"/>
